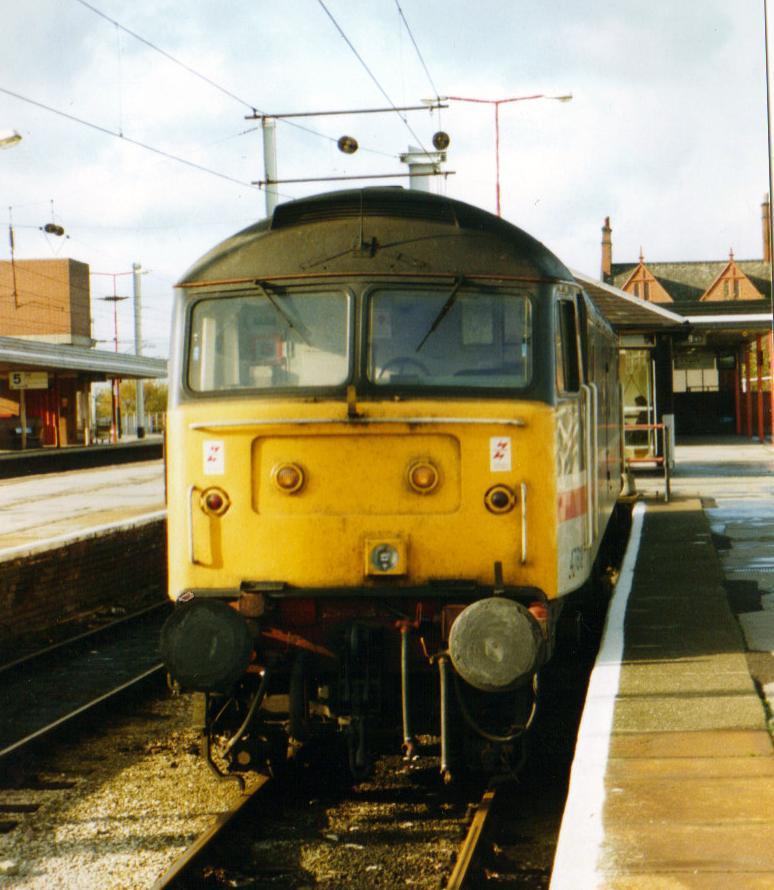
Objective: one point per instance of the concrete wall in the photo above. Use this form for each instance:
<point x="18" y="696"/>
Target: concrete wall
<point x="42" y="589"/>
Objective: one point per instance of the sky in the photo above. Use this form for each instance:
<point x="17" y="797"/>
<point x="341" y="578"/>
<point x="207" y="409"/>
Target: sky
<point x="665" y="134"/>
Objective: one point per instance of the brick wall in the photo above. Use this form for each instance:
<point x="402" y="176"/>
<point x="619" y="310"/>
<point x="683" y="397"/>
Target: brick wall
<point x="40" y="590"/>
<point x="52" y="298"/>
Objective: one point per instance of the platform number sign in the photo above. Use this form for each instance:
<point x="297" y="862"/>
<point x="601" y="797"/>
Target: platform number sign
<point x="500" y="452"/>
<point x="28" y="380"/>
<point x="214" y="457"/>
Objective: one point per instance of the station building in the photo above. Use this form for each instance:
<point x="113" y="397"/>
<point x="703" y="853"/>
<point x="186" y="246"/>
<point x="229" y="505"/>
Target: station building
<point x="47" y="360"/>
<point x="712" y="370"/>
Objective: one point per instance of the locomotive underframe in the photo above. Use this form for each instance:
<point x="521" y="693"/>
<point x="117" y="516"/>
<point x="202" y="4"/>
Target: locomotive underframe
<point x="349" y="664"/>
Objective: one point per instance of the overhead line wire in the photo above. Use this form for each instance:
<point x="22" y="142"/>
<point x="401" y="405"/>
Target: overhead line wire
<point x="416" y="47"/>
<point x="169" y="56"/>
<point x="370" y="73"/>
<point x="210" y="82"/>
<point x="118" y="135"/>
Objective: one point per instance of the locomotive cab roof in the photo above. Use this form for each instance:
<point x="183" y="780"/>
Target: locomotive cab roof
<point x="398" y="231"/>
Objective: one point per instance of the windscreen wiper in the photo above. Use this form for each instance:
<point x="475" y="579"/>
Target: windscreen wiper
<point x="280" y="311"/>
<point x="443" y="312"/>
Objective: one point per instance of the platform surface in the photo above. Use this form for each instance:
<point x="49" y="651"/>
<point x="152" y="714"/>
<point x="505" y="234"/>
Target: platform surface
<point x="673" y="779"/>
<point x="37" y="510"/>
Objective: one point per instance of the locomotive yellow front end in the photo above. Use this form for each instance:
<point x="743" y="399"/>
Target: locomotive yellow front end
<point x="362" y="472"/>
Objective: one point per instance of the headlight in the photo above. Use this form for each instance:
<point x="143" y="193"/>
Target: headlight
<point x="423" y="477"/>
<point x="288" y="478"/>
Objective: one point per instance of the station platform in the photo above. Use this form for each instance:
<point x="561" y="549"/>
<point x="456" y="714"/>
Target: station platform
<point x="42" y="511"/>
<point x="37" y="461"/>
<point x="672" y="784"/>
<point x="78" y="548"/>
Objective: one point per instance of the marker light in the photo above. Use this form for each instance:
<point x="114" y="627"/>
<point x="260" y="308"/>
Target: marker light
<point x="289" y="478"/>
<point x="499" y="499"/>
<point x="214" y="501"/>
<point x="423" y="477"/>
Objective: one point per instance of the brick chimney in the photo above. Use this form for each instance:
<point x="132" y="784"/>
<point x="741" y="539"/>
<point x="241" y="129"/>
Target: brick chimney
<point x="607" y="250"/>
<point x="766" y="220"/>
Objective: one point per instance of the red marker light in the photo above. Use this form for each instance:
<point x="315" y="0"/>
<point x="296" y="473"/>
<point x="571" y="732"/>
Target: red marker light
<point x="214" y="501"/>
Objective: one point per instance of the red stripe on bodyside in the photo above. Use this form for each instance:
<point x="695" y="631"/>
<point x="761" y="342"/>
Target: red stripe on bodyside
<point x="572" y="503"/>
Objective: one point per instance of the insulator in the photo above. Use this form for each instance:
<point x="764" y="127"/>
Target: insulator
<point x="348" y="144"/>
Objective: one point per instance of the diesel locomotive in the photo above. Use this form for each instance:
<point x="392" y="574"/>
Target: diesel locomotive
<point x="393" y="448"/>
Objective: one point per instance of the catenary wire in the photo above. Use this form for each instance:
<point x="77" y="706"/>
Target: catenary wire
<point x="109" y="132"/>
<point x="416" y="47"/>
<point x="370" y="73"/>
<point x="170" y="57"/>
<point x="213" y="84"/>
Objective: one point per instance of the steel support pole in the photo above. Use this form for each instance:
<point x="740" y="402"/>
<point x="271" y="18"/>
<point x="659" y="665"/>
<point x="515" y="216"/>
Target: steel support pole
<point x="771" y="210"/>
<point x="23" y="417"/>
<point x="759" y="362"/>
<point x="497" y="155"/>
<point x="771" y="385"/>
<point x="269" y="129"/>
<point x="738" y="391"/>
<point x="140" y="395"/>
<point x="748" y="392"/>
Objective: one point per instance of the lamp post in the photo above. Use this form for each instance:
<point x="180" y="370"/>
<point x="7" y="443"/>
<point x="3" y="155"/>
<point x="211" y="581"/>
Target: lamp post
<point x="769" y="86"/>
<point x="497" y="103"/>
<point x="115" y="388"/>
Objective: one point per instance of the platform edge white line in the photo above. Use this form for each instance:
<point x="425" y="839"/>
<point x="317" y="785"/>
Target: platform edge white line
<point x="581" y="834"/>
<point x="83" y="534"/>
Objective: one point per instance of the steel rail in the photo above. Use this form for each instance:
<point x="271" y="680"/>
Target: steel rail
<point x="50" y="727"/>
<point x="189" y="857"/>
<point x="110" y="625"/>
<point x="467" y="853"/>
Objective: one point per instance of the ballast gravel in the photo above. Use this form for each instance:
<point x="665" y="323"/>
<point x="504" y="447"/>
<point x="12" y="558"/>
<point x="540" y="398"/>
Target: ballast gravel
<point x="116" y="806"/>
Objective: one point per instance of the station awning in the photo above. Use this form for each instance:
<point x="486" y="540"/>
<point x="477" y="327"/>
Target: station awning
<point x="629" y="314"/>
<point x="19" y="354"/>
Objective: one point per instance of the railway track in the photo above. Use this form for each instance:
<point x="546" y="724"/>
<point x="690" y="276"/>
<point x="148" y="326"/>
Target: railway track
<point x="183" y="867"/>
<point x="42" y="691"/>
<point x="187" y="870"/>
<point x="463" y="874"/>
<point x="403" y="826"/>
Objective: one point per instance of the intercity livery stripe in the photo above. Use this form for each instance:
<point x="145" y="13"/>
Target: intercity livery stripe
<point x="572" y="503"/>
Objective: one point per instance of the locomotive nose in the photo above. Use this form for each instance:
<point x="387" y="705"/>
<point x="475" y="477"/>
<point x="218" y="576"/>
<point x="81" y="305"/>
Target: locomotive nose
<point x="494" y="644"/>
<point x="206" y="645"/>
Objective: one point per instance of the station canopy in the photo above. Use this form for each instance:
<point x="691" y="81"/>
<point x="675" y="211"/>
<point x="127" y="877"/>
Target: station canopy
<point x="18" y="354"/>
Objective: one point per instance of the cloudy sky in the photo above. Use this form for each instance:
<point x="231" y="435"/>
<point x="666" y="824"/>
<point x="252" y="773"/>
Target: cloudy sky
<point x="666" y="132"/>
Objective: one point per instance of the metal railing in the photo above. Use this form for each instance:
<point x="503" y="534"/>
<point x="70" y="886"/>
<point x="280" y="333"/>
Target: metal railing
<point x="664" y="459"/>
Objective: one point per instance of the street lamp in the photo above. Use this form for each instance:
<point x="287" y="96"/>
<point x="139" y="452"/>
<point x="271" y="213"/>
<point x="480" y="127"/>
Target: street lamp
<point x="497" y="103"/>
<point x="115" y="387"/>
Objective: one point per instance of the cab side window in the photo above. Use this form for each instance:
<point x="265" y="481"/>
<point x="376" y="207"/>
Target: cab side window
<point x="567" y="357"/>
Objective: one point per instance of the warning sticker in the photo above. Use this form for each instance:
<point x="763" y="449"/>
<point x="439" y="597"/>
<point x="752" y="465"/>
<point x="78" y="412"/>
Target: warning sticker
<point x="500" y="452"/>
<point x="214" y="457"/>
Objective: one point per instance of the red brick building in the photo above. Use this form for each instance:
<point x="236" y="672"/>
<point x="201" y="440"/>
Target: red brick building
<point x="46" y="300"/>
<point x="47" y="363"/>
<point x="721" y="378"/>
